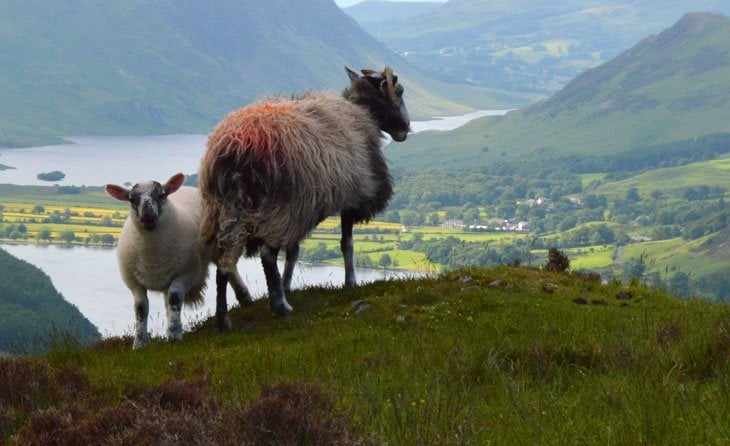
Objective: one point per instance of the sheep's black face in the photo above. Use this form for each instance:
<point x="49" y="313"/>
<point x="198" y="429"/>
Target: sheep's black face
<point x="148" y="200"/>
<point x="383" y="97"/>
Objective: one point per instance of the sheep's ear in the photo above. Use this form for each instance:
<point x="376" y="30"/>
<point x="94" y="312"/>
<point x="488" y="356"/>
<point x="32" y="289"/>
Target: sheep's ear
<point x="351" y="74"/>
<point x="174" y="183"/>
<point x="118" y="192"/>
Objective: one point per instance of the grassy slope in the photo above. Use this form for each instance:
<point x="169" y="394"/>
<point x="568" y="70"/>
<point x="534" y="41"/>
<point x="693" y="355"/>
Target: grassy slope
<point x="31" y="309"/>
<point x="671" y="87"/>
<point x="672" y="181"/>
<point x="501" y="356"/>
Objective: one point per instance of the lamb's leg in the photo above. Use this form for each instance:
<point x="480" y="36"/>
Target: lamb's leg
<point x="292" y="254"/>
<point x="347" y="248"/>
<point x="221" y="305"/>
<point x="173" y="304"/>
<point x="277" y="301"/>
<point x="242" y="295"/>
<point x="141" y="310"/>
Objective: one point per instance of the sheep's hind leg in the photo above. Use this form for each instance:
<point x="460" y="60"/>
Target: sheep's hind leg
<point x="221" y="302"/>
<point x="347" y="248"/>
<point x="173" y="304"/>
<point x="277" y="300"/>
<point x="141" y="310"/>
<point x="239" y="288"/>
<point x="292" y="254"/>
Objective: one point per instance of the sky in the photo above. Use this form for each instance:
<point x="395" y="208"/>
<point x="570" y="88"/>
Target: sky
<point x="344" y="3"/>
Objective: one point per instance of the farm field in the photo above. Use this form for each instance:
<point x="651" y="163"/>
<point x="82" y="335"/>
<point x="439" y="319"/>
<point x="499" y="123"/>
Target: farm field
<point x="39" y="214"/>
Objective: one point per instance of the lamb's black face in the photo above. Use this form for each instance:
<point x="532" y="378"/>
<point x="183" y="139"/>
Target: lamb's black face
<point x="148" y="200"/>
<point x="384" y="101"/>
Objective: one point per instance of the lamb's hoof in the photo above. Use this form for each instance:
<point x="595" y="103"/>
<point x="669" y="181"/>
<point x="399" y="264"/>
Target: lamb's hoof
<point x="174" y="336"/>
<point x="281" y="309"/>
<point x="140" y="342"/>
<point x="223" y="324"/>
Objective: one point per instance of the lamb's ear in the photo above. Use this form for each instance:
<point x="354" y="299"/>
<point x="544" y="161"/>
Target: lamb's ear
<point x="174" y="183"/>
<point x="351" y="74"/>
<point x="118" y="192"/>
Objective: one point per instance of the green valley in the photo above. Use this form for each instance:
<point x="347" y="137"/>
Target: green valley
<point x="669" y="91"/>
<point x="519" y="45"/>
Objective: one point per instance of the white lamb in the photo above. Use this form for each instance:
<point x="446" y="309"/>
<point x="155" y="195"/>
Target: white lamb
<point x="159" y="249"/>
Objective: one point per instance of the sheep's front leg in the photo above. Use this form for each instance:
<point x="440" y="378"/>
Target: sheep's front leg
<point x="141" y="310"/>
<point x="347" y="248"/>
<point x="221" y="302"/>
<point x="277" y="301"/>
<point x="292" y="254"/>
<point x="173" y="304"/>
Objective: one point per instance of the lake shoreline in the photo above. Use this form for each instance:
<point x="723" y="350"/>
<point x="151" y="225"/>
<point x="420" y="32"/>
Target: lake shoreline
<point x="130" y="158"/>
<point x="64" y="245"/>
<point x="88" y="277"/>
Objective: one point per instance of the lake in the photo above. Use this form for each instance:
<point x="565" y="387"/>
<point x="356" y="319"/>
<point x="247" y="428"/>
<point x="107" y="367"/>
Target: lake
<point x="88" y="277"/>
<point x="98" y="160"/>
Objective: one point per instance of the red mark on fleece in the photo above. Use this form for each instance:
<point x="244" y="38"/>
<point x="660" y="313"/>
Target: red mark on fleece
<point x="258" y="124"/>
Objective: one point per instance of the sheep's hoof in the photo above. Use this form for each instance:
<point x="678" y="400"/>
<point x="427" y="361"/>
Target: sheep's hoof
<point x="140" y="342"/>
<point x="223" y="324"/>
<point x="174" y="336"/>
<point x="244" y="299"/>
<point x="281" y="309"/>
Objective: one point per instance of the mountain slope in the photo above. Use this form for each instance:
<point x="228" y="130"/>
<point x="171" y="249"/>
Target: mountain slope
<point x="671" y="87"/>
<point x="375" y="12"/>
<point x="525" y="45"/>
<point x="178" y="66"/>
<point x="32" y="313"/>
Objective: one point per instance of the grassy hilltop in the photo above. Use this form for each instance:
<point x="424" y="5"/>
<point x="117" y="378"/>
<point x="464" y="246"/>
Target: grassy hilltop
<point x="497" y="356"/>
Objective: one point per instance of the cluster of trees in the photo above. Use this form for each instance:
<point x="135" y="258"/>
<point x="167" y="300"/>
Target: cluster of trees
<point x="19" y="231"/>
<point x="320" y="253"/>
<point x="14" y="231"/>
<point x="503" y="191"/>
<point x="428" y="198"/>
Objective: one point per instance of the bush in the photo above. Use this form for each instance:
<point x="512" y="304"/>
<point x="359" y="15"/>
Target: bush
<point x="557" y="261"/>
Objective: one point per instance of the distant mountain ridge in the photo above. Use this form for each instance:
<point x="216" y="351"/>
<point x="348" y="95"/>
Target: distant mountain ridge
<point x="168" y="66"/>
<point x="669" y="88"/>
<point x="384" y="11"/>
<point x="522" y="44"/>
